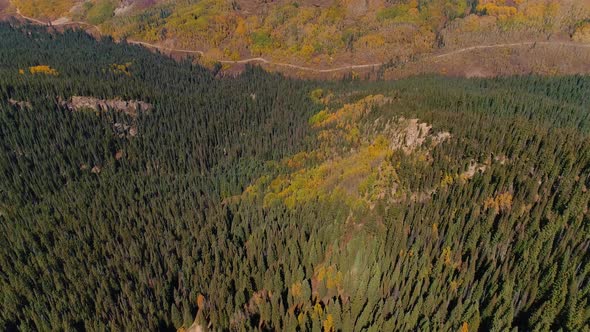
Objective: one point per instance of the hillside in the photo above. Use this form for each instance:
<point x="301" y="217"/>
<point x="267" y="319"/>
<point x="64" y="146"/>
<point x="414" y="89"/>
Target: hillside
<point x="335" y="33"/>
<point x="141" y="193"/>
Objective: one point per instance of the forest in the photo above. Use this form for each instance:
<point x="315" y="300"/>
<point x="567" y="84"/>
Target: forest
<point x="140" y="192"/>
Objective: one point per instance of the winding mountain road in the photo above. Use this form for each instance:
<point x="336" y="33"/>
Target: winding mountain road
<point x="258" y="59"/>
<point x="435" y="58"/>
<point x="530" y="43"/>
<point x="59" y="22"/>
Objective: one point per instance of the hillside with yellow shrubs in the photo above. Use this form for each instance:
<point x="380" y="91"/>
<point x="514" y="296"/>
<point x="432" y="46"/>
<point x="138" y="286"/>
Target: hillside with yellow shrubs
<point x="323" y="33"/>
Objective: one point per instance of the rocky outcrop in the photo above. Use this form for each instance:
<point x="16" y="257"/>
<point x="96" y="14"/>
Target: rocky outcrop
<point x="129" y="107"/>
<point x="96" y="169"/>
<point x="125" y="130"/>
<point x="20" y="104"/>
<point x="410" y="134"/>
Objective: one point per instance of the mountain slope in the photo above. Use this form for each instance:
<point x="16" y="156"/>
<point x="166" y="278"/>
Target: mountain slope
<point x="328" y="34"/>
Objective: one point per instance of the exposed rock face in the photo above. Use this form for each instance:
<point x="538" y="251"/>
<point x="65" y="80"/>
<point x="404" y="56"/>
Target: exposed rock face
<point x="20" y="104"/>
<point x="96" y="169"/>
<point x="119" y="154"/>
<point x="129" y="107"/>
<point x="472" y="170"/>
<point x="410" y="134"/>
<point x="125" y="130"/>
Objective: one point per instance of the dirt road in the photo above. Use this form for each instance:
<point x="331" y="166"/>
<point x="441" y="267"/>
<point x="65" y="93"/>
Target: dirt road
<point x="435" y="58"/>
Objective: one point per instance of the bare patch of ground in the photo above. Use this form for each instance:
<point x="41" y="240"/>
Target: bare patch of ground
<point x="542" y="58"/>
<point x="4" y="5"/>
<point x="472" y="170"/>
<point x="61" y="21"/>
<point x="195" y="328"/>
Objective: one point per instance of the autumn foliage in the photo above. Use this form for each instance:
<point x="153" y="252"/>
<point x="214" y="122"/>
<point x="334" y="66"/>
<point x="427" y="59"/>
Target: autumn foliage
<point x="260" y="203"/>
<point x="324" y="33"/>
<point x="43" y="69"/>
<point x="501" y="202"/>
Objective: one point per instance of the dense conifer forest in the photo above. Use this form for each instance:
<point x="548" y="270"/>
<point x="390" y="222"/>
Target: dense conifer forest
<point x="259" y="202"/>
